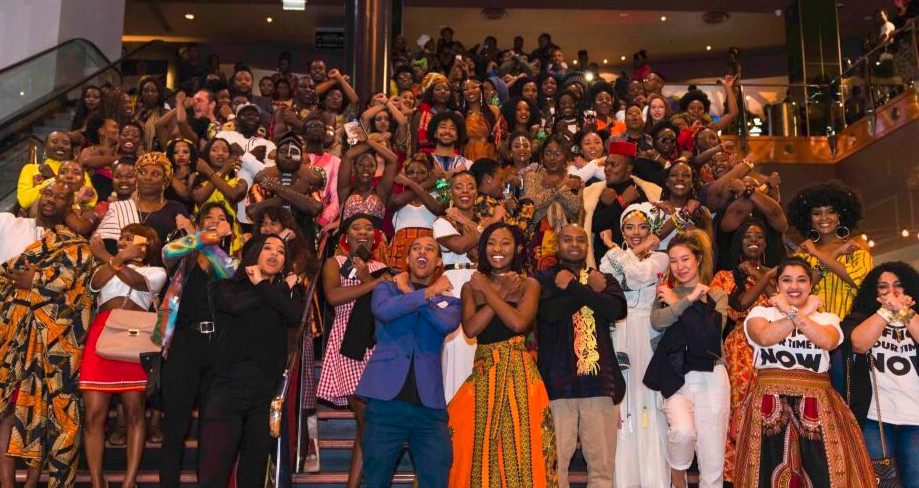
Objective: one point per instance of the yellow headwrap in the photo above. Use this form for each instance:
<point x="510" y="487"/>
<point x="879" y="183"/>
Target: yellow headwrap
<point x="432" y="79"/>
<point x="158" y="159"/>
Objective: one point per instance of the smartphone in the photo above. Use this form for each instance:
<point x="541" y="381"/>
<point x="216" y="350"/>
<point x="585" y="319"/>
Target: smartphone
<point x="353" y="132"/>
<point x="140" y="240"/>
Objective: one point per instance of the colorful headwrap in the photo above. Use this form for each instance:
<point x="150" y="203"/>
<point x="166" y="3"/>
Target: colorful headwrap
<point x="432" y="79"/>
<point x="155" y="158"/>
<point x="650" y="214"/>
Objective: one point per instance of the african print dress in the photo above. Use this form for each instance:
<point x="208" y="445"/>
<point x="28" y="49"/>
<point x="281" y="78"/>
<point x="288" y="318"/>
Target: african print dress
<point x="795" y="430"/>
<point x="501" y="422"/>
<point x="42" y="331"/>
<point x="738" y="358"/>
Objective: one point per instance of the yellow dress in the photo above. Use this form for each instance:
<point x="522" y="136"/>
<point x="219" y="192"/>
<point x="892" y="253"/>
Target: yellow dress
<point x="837" y="295"/>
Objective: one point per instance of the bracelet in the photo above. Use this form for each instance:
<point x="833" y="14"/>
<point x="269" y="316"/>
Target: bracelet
<point x="821" y="269"/>
<point x="887" y="315"/>
<point x="903" y="313"/>
<point x="908" y="316"/>
<point x="748" y="163"/>
<point x="115" y="267"/>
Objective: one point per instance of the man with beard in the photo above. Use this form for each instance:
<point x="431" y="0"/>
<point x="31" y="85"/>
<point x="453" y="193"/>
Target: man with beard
<point x="44" y="313"/>
<point x="604" y="201"/>
<point x="402" y="381"/>
<point x="576" y="358"/>
<point x="448" y="132"/>
<point x="35" y="177"/>
<point x="257" y="152"/>
<point x="314" y="131"/>
<point x="241" y="86"/>
<point x="289" y="184"/>
<point x="306" y="102"/>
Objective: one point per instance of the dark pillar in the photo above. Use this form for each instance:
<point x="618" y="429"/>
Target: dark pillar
<point x="368" y="37"/>
<point x="814" y="57"/>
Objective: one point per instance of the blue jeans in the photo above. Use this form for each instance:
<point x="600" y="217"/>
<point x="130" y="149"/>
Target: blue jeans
<point x="388" y="425"/>
<point x="902" y="443"/>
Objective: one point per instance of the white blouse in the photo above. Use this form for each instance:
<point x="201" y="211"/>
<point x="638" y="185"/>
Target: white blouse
<point x="115" y="288"/>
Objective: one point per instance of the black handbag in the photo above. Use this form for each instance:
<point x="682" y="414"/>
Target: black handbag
<point x="152" y="363"/>
<point x="885" y="469"/>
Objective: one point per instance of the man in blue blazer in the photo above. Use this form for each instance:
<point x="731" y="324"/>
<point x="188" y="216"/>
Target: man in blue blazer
<point x="403" y="382"/>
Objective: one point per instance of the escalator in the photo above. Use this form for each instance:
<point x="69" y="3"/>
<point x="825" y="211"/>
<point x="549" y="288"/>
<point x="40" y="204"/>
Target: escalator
<point x="37" y="95"/>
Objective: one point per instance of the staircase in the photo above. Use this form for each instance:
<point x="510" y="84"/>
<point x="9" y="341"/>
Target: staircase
<point x="336" y="430"/>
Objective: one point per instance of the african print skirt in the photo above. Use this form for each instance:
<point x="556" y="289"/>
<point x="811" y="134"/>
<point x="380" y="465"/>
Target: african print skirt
<point x="796" y="431"/>
<point x="501" y="423"/>
<point x="738" y="358"/>
<point x="401" y="242"/>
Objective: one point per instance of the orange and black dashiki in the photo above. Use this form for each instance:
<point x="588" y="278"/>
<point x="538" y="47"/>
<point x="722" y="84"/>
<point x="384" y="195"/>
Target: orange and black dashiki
<point x="738" y="358"/>
<point x="42" y="331"/>
<point x="501" y="423"/>
<point x="796" y="431"/>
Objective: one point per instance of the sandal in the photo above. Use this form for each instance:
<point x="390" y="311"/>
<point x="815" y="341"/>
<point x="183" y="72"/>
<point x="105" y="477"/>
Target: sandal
<point x="118" y="436"/>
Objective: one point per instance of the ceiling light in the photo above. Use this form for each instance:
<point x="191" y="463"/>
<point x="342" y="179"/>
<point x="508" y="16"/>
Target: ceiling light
<point x="622" y="58"/>
<point x="663" y="18"/>
<point x="294" y="4"/>
<point x="589" y="77"/>
<point x="190" y="16"/>
<point x="605" y="61"/>
<point x="269" y="20"/>
<point x="864" y="237"/>
<point x="574" y="62"/>
<point x="623" y="14"/>
<point x="870" y="243"/>
<point x="708" y="48"/>
<point x="905" y="233"/>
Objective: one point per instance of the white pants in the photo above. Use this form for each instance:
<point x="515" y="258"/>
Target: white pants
<point x="459" y="350"/>
<point x="698" y="415"/>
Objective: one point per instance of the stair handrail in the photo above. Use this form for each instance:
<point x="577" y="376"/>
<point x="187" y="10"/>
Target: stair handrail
<point x="54" y="48"/>
<point x="38" y="104"/>
<point x="294" y="356"/>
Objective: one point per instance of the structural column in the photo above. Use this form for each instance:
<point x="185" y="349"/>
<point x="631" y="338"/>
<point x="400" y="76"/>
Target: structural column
<point x="368" y="40"/>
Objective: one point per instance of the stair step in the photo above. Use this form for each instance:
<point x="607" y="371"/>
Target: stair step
<point x="189" y="444"/>
<point x="335" y="414"/>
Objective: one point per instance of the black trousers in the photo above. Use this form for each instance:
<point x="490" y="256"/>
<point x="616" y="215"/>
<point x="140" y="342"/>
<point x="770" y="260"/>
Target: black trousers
<point x="186" y="374"/>
<point x="235" y="421"/>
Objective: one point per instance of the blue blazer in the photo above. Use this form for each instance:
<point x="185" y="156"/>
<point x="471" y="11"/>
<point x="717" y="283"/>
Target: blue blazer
<point x="408" y="326"/>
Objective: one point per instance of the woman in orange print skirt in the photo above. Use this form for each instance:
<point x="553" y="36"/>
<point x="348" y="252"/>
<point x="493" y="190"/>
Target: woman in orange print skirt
<point x="500" y="418"/>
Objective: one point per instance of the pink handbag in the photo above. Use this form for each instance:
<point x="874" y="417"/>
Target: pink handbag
<point x="126" y="335"/>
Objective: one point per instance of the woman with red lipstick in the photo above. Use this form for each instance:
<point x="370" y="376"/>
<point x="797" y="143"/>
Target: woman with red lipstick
<point x="500" y="418"/>
<point x="827" y="214"/>
<point x="795" y="428"/>
<point x="686" y="366"/>
<point x="641" y="449"/>
<point x="757" y="284"/>
<point x="343" y="288"/>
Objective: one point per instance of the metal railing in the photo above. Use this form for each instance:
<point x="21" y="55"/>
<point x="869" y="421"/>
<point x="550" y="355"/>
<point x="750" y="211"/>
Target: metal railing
<point x="294" y="358"/>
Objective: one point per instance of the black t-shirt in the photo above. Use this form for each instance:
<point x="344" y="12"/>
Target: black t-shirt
<point x="409" y="391"/>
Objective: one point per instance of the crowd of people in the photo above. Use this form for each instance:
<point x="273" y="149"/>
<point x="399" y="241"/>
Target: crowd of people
<point x="519" y="258"/>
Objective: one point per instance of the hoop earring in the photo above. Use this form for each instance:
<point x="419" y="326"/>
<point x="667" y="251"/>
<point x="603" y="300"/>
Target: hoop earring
<point x="813" y="235"/>
<point x="845" y="233"/>
<point x="625" y="245"/>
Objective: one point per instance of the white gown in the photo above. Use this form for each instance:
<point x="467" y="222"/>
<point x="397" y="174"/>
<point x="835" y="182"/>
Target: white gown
<point x="459" y="350"/>
<point x="641" y="450"/>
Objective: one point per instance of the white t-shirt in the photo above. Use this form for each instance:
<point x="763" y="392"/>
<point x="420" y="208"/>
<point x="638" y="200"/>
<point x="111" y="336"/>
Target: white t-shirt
<point x="898" y="383"/>
<point x="16" y="234"/>
<point x="250" y="165"/>
<point x="795" y="351"/>
<point x="443" y="228"/>
<point x="115" y="288"/>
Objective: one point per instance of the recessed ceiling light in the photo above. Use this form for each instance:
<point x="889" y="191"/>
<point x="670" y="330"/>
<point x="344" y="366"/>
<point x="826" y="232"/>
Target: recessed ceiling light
<point x="663" y="18"/>
<point x="190" y="16"/>
<point x="269" y="20"/>
<point x="708" y="48"/>
<point x="623" y="14"/>
<point x="605" y="61"/>
<point x="622" y="58"/>
<point x="574" y="62"/>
